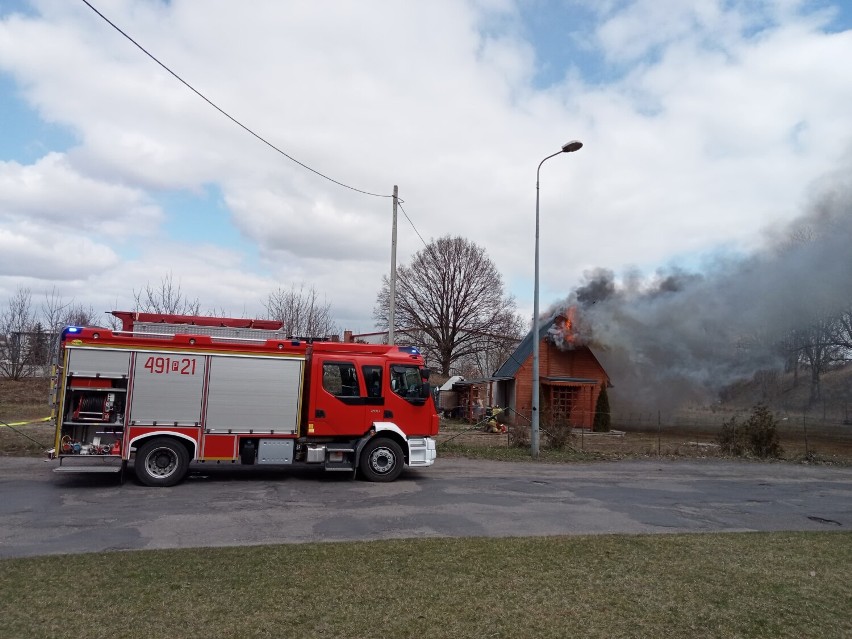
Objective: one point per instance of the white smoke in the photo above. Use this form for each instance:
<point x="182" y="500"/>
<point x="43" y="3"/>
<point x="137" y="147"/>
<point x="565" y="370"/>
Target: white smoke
<point x="681" y="336"/>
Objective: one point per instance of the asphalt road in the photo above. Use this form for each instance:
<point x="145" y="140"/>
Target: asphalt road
<point x="44" y="513"/>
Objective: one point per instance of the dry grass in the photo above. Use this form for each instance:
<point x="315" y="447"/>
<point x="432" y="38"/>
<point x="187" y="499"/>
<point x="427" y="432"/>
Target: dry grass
<point x="711" y="585"/>
<point x="21" y="401"/>
<point x="822" y="445"/>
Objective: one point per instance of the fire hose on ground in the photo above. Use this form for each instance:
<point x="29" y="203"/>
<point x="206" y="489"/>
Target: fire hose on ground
<point x="483" y="423"/>
<point x="488" y="418"/>
<point x="24" y="423"/>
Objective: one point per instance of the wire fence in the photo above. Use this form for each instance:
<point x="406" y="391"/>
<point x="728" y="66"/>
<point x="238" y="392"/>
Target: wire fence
<point x="655" y="433"/>
<point x="793" y="428"/>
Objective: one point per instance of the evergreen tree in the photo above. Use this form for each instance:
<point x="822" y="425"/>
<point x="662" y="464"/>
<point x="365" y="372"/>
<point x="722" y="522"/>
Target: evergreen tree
<point x="603" y="419"/>
<point x="39" y="346"/>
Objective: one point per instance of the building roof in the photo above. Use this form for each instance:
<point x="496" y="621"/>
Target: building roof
<point x="523" y="351"/>
<point x="448" y="385"/>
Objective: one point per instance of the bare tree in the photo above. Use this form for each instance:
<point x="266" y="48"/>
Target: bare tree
<point x="15" y="323"/>
<point x="843" y="335"/>
<point x="167" y="298"/>
<point x="495" y="350"/>
<point x="111" y="321"/>
<point x="817" y="349"/>
<point x="53" y="311"/>
<point x="220" y="312"/>
<point x="79" y="315"/>
<point x="452" y="293"/>
<point x="301" y="312"/>
<point x="56" y="313"/>
<point x="38" y="347"/>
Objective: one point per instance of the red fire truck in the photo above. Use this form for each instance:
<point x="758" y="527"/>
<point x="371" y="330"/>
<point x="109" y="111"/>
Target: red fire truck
<point x="168" y="390"/>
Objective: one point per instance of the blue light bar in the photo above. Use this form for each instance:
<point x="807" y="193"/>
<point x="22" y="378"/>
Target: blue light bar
<point x="71" y="330"/>
<point x="409" y="349"/>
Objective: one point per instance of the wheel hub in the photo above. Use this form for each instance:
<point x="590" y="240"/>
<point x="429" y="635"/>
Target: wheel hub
<point x="162" y="463"/>
<point x="382" y="460"/>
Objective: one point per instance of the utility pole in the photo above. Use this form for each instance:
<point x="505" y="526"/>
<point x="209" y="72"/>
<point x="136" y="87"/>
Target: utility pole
<point x="392" y="313"/>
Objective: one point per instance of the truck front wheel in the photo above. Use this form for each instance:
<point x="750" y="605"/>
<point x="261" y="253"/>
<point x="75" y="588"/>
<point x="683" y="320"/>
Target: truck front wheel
<point x="381" y="460"/>
<point x="161" y="462"/>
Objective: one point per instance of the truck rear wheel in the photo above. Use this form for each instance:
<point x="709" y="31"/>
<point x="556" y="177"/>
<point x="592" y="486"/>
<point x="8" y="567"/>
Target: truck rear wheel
<point x="381" y="460"/>
<point x="161" y="462"/>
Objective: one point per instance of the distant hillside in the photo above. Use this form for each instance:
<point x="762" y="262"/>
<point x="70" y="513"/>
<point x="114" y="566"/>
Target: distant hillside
<point x="786" y="392"/>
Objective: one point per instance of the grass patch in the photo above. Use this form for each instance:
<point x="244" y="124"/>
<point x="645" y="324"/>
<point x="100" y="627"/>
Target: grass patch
<point x="20" y="401"/>
<point x="24" y="398"/>
<point x="29" y="440"/>
<point x="457" y="439"/>
<point x="707" y="585"/>
<point x="505" y="453"/>
<point x="634" y="449"/>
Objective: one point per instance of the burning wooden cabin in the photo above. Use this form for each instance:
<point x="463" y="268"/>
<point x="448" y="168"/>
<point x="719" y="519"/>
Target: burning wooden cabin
<point x="570" y="377"/>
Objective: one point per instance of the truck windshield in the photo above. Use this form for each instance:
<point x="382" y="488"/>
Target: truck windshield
<point x="406" y="381"/>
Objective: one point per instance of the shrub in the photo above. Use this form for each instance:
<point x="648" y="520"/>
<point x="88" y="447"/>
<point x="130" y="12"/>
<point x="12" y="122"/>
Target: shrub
<point x="557" y="436"/>
<point x="731" y="438"/>
<point x="758" y="435"/>
<point x="603" y="419"/>
<point x="519" y="436"/>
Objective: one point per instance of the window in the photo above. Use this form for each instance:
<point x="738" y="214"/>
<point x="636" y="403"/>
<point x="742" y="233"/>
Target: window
<point x="562" y="402"/>
<point x="373" y="380"/>
<point x="340" y="379"/>
<point x="405" y="381"/>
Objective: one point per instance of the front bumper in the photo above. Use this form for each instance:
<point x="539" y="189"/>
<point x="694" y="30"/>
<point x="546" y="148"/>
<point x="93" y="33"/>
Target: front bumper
<point x="421" y="452"/>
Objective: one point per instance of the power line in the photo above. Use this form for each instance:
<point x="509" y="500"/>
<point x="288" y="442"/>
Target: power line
<point x="399" y="203"/>
<point x="225" y="113"/>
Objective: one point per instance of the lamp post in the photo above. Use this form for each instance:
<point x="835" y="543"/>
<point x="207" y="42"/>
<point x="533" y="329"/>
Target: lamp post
<point x="569" y="147"/>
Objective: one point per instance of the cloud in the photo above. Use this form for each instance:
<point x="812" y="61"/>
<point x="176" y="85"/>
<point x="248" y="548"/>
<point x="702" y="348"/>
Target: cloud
<point x="713" y="123"/>
<point x="57" y="224"/>
<point x="638" y="30"/>
<point x="53" y="193"/>
<point x="30" y="252"/>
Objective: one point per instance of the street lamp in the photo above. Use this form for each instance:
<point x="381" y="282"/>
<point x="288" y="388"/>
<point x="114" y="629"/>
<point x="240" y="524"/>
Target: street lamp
<point x="569" y="147"/>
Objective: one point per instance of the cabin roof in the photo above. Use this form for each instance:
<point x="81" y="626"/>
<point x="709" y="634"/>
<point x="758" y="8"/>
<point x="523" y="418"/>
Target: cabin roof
<point x="524" y="350"/>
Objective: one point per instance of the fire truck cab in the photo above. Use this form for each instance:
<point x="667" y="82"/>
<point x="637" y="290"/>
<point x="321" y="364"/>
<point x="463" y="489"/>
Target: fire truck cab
<point x="166" y="391"/>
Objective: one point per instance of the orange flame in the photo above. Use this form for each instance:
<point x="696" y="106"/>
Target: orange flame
<point x="563" y="332"/>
